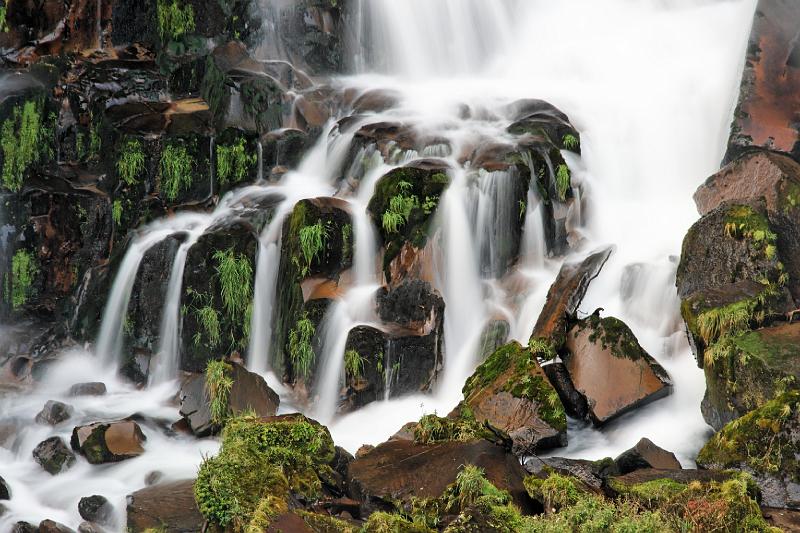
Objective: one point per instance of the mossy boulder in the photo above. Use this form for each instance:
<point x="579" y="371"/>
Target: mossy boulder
<point x="608" y="366"/>
<point x="511" y="392"/>
<point x="109" y="442"/>
<point x="765" y="442"/>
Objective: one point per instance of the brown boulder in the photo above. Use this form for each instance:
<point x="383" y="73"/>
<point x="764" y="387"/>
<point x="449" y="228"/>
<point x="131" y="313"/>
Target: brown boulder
<point x="646" y="455"/>
<point x="168" y="507"/>
<point x="401" y="470"/>
<point x="610" y="368"/>
<point x="108" y="442"/>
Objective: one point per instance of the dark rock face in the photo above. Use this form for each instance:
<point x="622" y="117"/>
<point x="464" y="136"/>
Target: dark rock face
<point x="5" y="491"/>
<point x="592" y="474"/>
<point x="249" y="391"/>
<point x="54" y="413"/>
<point x="646" y="455"/>
<point x="50" y="526"/>
<point x="609" y="367"/>
<point x="95" y="509"/>
<point x="574" y="402"/>
<point x="413" y="305"/>
<point x="401" y="470"/>
<point x="169" y="506"/>
<point x="108" y="442"/>
<point x="770" y="92"/>
<point x="53" y="455"/>
<point x="24" y="527"/>
<point x="88" y="389"/>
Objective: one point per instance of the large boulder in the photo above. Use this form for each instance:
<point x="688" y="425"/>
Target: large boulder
<point x="609" y="367"/>
<point x="248" y="392"/>
<point x="169" y="507"/>
<point x="511" y="392"/>
<point x="646" y="455"/>
<point x="53" y="455"/>
<point x="765" y="443"/>
<point x="402" y="470"/>
<point x="108" y="442"/>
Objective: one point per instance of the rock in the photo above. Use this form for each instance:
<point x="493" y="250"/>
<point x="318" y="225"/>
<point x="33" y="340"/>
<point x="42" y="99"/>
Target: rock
<point x="49" y="526"/>
<point x="401" y="470"/>
<point x="54" y="413"/>
<point x="770" y="90"/>
<point x="565" y="296"/>
<point x="249" y="391"/>
<point x="646" y="455"/>
<point x="53" y="455"/>
<point x="108" y="442"/>
<point x="88" y="389"/>
<point x="774" y="177"/>
<point x="765" y="443"/>
<point x="5" y="490"/>
<point x="170" y="507"/>
<point x="592" y="474"/>
<point x="24" y="527"/>
<point x="610" y="368"/>
<point x="620" y="484"/>
<point x="290" y="522"/>
<point x="152" y="478"/>
<point x="96" y="509"/>
<point x="783" y="519"/>
<point x="413" y="305"/>
<point x="511" y="392"/>
<point x="574" y="402"/>
<point x="89" y="527"/>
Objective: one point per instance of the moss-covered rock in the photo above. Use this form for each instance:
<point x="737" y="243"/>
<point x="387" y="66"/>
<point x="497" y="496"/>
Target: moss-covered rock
<point x="511" y="392"/>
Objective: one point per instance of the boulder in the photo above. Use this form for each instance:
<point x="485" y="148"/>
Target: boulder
<point x="108" y="442"/>
<point x="5" y="490"/>
<point x="765" y="443"/>
<point x="511" y="392"/>
<point x="610" y="368"/>
<point x="96" y="509"/>
<point x="54" y="413"/>
<point x="24" y="527"/>
<point x="88" y="389"/>
<point x="574" y="402"/>
<point x="50" y="526"/>
<point x="402" y="470"/>
<point x="592" y="474"/>
<point x="413" y="304"/>
<point x="90" y="527"/>
<point x="168" y="507"/>
<point x="249" y="391"/>
<point x="565" y="296"/>
<point x="621" y="484"/>
<point x="53" y="455"/>
<point x="646" y="455"/>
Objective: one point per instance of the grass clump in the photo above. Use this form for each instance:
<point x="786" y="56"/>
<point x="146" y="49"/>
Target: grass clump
<point x="233" y="162"/>
<point x="218" y="389"/>
<point x="23" y="139"/>
<point x="19" y="287"/>
<point x="301" y="351"/>
<point x="116" y="212"/>
<point x="570" y="142"/>
<point x="383" y="522"/>
<point x="235" y="275"/>
<point x="208" y="318"/>
<point x="353" y="364"/>
<point x="313" y="239"/>
<point x="176" y="171"/>
<point x="563" y="181"/>
<point x="174" y="20"/>
<point x="130" y="164"/>
<point x="432" y="428"/>
<point x="400" y="207"/>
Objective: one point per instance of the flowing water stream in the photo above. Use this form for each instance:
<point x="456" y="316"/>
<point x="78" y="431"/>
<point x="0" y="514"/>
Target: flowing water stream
<point x="650" y="85"/>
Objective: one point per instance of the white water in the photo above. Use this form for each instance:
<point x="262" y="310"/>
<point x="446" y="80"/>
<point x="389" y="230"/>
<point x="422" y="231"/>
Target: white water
<point x="649" y="84"/>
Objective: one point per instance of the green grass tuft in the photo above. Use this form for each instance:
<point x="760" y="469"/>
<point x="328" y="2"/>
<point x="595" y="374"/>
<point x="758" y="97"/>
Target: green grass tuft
<point x="176" y="171"/>
<point x="24" y="269"/>
<point x="130" y="164"/>
<point x="563" y="181"/>
<point x="236" y="279"/>
<point x="301" y="352"/>
<point x="174" y="20"/>
<point x="233" y="162"/>
<point x="218" y="388"/>
<point x="353" y="364"/>
<point x="23" y="139"/>
<point x="312" y="239"/>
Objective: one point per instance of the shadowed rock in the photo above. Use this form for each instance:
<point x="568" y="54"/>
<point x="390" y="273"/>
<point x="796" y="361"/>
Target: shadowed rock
<point x="88" y="389"/>
<point x="54" y="413"/>
<point x="95" y="509"/>
<point x="646" y="455"/>
<point x="108" y="442"/>
<point x="53" y="455"/>
<point x="5" y="491"/>
<point x="168" y="507"/>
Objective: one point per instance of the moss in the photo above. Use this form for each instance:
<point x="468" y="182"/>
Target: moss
<point x="25" y="140"/>
<point x="563" y="181"/>
<point x="382" y="522"/>
<point x="761" y="439"/>
<point x="496" y="364"/>
<point x="215" y="89"/>
<point x="742" y="221"/>
<point x="261" y="100"/>
<point x="320" y="523"/>
<point x="539" y="390"/>
<point x="130" y="164"/>
<point x="570" y="142"/>
<point x="174" y="19"/>
<point x="233" y="162"/>
<point x="613" y="335"/>
<point x="3" y="22"/>
<point x="177" y="167"/>
<point x="650" y="493"/>
<point x="432" y="428"/>
<point x="24" y="269"/>
<point x="268" y="509"/>
<point x="555" y="491"/>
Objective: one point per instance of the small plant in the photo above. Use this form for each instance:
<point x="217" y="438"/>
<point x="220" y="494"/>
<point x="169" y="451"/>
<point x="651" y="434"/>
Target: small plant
<point x="116" y="212"/>
<point x="301" y="351"/>
<point x="353" y="364"/>
<point x="347" y="245"/>
<point x="176" y="171"/>
<point x="3" y="23"/>
<point x="312" y="239"/>
<point x="430" y="204"/>
<point x="130" y="164"/>
<point x="569" y="142"/>
<point x="23" y="273"/>
<point x="218" y="389"/>
<point x="208" y="318"/>
<point x="174" y="21"/>
<point x="233" y="162"/>
<point x="523" y="208"/>
<point x="23" y="141"/>
<point x="400" y="207"/>
<point x="563" y="181"/>
<point x="235" y="276"/>
<point x="94" y="142"/>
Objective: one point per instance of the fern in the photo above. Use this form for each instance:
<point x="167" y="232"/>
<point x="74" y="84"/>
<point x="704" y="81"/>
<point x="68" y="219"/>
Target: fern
<point x="235" y="276"/>
<point x="301" y="351"/>
<point x="569" y="142"/>
<point x="176" y="171"/>
<point x="563" y="181"/>
<point x="353" y="364"/>
<point x="312" y="239"/>
<point x="233" y="162"/>
<point x="131" y="163"/>
<point x="208" y="318"/>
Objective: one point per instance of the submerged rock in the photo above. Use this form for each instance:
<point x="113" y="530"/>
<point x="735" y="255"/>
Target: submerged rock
<point x="54" y="413"/>
<point x="88" y="389"/>
<point x="646" y="455"/>
<point x="96" y="509"/>
<point x="170" y="507"/>
<point x="108" y="442"/>
<point x="609" y="367"/>
<point x="53" y="455"/>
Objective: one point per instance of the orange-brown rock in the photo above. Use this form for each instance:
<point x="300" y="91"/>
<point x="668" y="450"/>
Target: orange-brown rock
<point x="169" y="507"/>
<point x="108" y="442"/>
<point x="609" y="367"/>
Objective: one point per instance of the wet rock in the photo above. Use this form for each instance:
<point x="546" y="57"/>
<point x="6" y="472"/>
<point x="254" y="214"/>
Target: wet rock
<point x="609" y="367"/>
<point x="50" y="526"/>
<point x="168" y="506"/>
<point x="89" y="527"/>
<point x="565" y="296"/>
<point x="646" y="455"/>
<point x="538" y="117"/>
<point x="54" y="413"/>
<point x="401" y="470"/>
<point x="770" y="90"/>
<point x="249" y="391"/>
<point x="24" y="527"/>
<point x="413" y="305"/>
<point x="375" y="100"/>
<point x="88" y="389"/>
<point x="152" y="478"/>
<point x="621" y="483"/>
<point x="53" y="455"/>
<point x="494" y="335"/>
<point x="783" y="519"/>
<point x="5" y="490"/>
<point x="574" y="402"/>
<point x="108" y="442"/>
<point x="765" y="443"/>
<point x="592" y="474"/>
<point x="96" y="509"/>
<point x="511" y="392"/>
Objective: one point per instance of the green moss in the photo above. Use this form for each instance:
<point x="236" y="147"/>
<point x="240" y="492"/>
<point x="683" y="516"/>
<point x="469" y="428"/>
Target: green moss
<point x="320" y="523"/>
<point x="25" y="140"/>
<point x="382" y="522"/>
<point x="570" y="142"/>
<point x="268" y="509"/>
<point x="539" y="390"/>
<point x="742" y="221"/>
<point x="613" y="335"/>
<point x="218" y="388"/>
<point x="233" y="162"/>
<point x="301" y="351"/>
<point x="3" y="22"/>
<point x="177" y="168"/>
<point x="235" y="274"/>
<point x="116" y="212"/>
<point x="174" y="19"/>
<point x="556" y="491"/>
<point x="432" y="428"/>
<point x="650" y="493"/>
<point x="24" y="269"/>
<point x="347" y="243"/>
<point x="760" y="439"/>
<point x="130" y="164"/>
<point x="215" y="89"/>
<point x="497" y="363"/>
